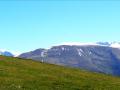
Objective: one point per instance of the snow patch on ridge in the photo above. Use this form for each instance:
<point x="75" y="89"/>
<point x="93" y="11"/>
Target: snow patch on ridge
<point x="107" y="44"/>
<point x="80" y="51"/>
<point x="79" y="44"/>
<point x="115" y="45"/>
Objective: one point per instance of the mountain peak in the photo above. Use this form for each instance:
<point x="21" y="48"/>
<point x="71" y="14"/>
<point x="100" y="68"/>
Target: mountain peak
<point x="5" y="53"/>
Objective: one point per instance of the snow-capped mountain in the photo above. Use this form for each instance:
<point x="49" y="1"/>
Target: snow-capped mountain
<point x="6" y="53"/>
<point x="101" y="57"/>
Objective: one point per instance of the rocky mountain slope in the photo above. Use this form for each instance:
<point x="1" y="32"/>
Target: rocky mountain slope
<point x="100" y="57"/>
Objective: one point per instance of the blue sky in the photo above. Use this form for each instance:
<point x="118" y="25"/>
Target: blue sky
<point x="31" y="24"/>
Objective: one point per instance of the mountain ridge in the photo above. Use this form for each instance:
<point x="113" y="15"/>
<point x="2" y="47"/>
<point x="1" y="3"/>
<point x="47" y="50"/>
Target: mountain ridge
<point x="107" y="44"/>
<point x="103" y="57"/>
<point x="97" y="58"/>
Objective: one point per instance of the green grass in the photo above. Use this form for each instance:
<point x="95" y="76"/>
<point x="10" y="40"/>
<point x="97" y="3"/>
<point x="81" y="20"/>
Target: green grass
<point x="18" y="74"/>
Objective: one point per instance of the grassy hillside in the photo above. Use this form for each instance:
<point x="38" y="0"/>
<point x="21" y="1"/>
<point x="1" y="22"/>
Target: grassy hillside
<point x="18" y="74"/>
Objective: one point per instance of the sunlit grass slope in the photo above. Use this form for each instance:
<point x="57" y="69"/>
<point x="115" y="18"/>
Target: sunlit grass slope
<point x="19" y="74"/>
